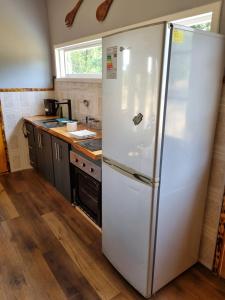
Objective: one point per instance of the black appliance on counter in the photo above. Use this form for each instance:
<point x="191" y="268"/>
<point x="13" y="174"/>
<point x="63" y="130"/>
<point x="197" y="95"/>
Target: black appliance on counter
<point x="87" y="185"/>
<point x="52" y="106"/>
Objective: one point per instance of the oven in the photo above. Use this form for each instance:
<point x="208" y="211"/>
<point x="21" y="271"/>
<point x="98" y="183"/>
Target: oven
<point x="87" y="185"/>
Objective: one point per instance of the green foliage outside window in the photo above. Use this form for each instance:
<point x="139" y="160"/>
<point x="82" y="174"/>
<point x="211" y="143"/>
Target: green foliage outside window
<point x="204" y="26"/>
<point x="84" y="61"/>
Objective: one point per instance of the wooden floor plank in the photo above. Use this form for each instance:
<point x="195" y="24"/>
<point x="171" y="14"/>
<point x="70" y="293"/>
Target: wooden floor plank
<point x="50" y="251"/>
<point x="72" y="282"/>
<point x="7" y="209"/>
<point x="77" y="251"/>
<point x="13" y="283"/>
<point x="70" y="279"/>
<point x="36" y="270"/>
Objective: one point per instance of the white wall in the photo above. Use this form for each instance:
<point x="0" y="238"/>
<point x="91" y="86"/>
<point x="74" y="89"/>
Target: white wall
<point x="122" y="13"/>
<point x="25" y="60"/>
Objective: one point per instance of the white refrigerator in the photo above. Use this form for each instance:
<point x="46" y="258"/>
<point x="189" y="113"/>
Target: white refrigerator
<point x="161" y="87"/>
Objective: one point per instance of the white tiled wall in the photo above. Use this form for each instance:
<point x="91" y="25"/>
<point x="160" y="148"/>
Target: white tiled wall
<point x="77" y="92"/>
<point x="15" y="106"/>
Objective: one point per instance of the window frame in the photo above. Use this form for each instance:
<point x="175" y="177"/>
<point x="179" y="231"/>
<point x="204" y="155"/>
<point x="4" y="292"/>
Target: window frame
<point x="60" y="58"/>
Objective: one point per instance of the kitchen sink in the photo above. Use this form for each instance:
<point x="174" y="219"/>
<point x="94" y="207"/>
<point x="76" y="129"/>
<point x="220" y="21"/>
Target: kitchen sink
<point x="53" y="123"/>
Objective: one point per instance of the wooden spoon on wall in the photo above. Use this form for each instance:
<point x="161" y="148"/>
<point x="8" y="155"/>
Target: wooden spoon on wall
<point x="72" y="14"/>
<point x="103" y="9"/>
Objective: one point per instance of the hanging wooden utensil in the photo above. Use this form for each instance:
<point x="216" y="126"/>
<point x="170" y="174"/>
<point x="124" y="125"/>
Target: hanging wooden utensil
<point x="103" y="9"/>
<point x="72" y="14"/>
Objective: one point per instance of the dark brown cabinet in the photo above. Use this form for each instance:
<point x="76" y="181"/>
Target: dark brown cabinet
<point x="50" y="157"/>
<point x="31" y="144"/>
<point x="43" y="146"/>
<point x="61" y="163"/>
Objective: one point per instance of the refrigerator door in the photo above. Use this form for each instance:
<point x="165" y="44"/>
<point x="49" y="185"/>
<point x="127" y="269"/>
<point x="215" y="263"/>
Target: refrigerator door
<point x="194" y="87"/>
<point x="127" y="209"/>
<point x="132" y="63"/>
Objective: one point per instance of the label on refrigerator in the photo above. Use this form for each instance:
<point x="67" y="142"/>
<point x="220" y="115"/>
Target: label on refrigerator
<point x="111" y="62"/>
<point x="178" y="36"/>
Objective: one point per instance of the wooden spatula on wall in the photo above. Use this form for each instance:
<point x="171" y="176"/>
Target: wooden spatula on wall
<point x="72" y="14"/>
<point x="103" y="9"/>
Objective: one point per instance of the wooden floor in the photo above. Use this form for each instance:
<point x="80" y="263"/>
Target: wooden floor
<point x="48" y="250"/>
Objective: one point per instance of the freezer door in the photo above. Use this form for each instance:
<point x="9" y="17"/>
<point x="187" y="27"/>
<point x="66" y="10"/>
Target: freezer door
<point x="194" y="90"/>
<point x="131" y="85"/>
<point x="127" y="217"/>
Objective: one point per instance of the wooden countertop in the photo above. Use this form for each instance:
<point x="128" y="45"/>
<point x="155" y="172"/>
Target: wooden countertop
<point x="63" y="134"/>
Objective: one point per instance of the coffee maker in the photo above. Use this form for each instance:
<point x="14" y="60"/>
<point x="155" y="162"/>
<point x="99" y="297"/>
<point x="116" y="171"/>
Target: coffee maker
<point x="51" y="107"/>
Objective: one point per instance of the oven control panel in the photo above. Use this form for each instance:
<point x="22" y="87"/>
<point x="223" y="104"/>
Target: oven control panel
<point x="86" y="165"/>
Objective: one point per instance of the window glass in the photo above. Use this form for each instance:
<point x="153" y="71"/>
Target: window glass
<point x="202" y="22"/>
<point x="84" y="61"/>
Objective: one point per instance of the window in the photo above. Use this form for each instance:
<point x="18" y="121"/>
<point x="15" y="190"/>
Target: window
<point x="202" y="22"/>
<point x="82" y="60"/>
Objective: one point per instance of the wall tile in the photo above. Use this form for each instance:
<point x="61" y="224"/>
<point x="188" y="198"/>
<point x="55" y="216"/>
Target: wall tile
<point x="15" y="106"/>
<point x="77" y="92"/>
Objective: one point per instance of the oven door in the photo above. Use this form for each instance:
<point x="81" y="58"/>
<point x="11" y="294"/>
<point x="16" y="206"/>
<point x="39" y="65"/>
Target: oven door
<point x="88" y="195"/>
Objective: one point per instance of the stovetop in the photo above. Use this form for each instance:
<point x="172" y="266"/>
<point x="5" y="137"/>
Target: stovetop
<point x="92" y="145"/>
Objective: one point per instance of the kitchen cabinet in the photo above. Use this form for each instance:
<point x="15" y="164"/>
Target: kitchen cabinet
<point x="31" y="144"/>
<point x="61" y="162"/>
<point x="43" y="146"/>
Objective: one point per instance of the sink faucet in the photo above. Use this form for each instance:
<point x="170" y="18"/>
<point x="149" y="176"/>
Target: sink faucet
<point x="68" y="103"/>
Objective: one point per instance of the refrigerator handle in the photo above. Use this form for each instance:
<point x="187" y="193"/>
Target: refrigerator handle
<point x="131" y="173"/>
<point x="138" y="119"/>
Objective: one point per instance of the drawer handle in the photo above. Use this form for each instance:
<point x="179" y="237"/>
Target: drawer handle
<point x="56" y="152"/>
<point x="59" y="153"/>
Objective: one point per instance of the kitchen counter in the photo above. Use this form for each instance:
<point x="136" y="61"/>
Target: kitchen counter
<point x="63" y="134"/>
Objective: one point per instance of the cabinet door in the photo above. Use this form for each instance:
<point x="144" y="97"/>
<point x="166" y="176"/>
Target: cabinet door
<point x="62" y="167"/>
<point x="44" y="155"/>
<point x="31" y="144"/>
